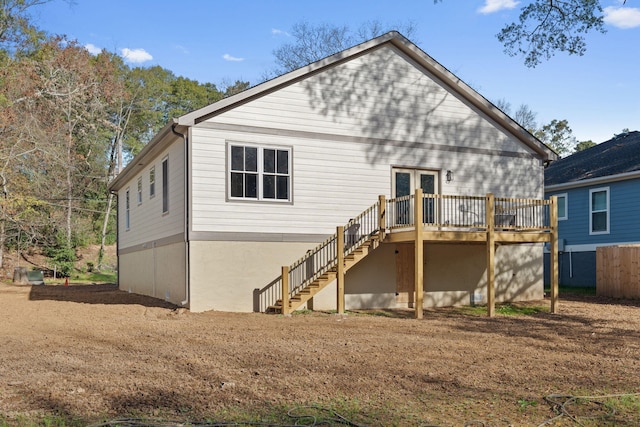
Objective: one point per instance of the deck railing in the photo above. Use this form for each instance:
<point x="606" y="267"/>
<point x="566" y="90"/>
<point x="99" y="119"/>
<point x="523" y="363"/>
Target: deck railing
<point x="439" y="211"/>
<point x="469" y="212"/>
<point x="522" y="214"/>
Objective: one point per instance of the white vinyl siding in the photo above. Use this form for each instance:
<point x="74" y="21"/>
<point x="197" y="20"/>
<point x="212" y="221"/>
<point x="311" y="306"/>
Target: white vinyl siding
<point x="334" y="181"/>
<point x="379" y="95"/>
<point x="148" y="223"/>
<point x="347" y="128"/>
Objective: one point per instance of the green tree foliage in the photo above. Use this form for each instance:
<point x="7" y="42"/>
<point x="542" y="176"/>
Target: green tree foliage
<point x="16" y="28"/>
<point x="558" y="136"/>
<point x="545" y="27"/>
<point x="583" y="145"/>
<point x="549" y="26"/>
<point x="149" y="89"/>
<point x="68" y="119"/>
<point x="188" y="95"/>
<point x="75" y="90"/>
<point x="237" y="87"/>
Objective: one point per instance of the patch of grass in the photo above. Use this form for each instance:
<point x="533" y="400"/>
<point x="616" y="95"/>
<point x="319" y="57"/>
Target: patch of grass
<point x="597" y="411"/>
<point x="505" y="310"/>
<point x="579" y="290"/>
<point x="375" y="313"/>
<point x="625" y="404"/>
<point x="95" y="277"/>
<point x="525" y="403"/>
<point x="40" y="421"/>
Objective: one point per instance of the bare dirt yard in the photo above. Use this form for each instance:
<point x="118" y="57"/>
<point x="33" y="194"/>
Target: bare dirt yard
<point x="90" y="354"/>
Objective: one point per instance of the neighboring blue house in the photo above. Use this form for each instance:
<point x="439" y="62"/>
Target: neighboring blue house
<point x="598" y="192"/>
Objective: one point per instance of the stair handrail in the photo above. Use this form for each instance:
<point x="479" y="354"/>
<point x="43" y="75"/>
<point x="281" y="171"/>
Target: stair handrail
<point x="320" y="259"/>
<point x="324" y="257"/>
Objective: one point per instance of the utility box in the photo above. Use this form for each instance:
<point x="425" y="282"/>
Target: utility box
<point x="20" y="276"/>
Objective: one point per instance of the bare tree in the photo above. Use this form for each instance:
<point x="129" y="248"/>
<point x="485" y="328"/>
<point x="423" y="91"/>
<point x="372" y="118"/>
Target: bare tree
<point x="76" y="89"/>
<point x="314" y="42"/>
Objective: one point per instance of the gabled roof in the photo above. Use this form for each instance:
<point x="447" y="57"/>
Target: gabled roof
<point x="453" y="83"/>
<point x="444" y="76"/>
<point x="618" y="157"/>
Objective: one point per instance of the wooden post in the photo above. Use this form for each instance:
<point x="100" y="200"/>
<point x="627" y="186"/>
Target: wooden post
<point x="340" y="270"/>
<point x="419" y="253"/>
<point x="285" y="290"/>
<point x="553" y="253"/>
<point x="491" y="255"/>
<point x="382" y="216"/>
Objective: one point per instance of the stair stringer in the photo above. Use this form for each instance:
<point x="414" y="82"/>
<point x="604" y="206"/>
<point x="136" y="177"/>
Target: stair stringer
<point x="314" y="287"/>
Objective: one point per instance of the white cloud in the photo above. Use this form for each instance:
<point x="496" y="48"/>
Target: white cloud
<point x="228" y="57"/>
<point x="277" y="32"/>
<point x="181" y="48"/>
<point x="491" y="6"/>
<point x="135" y="55"/>
<point x="622" y="17"/>
<point x="93" y="49"/>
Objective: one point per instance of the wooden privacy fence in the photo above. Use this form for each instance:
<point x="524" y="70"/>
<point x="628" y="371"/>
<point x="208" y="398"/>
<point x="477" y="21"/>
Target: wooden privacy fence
<point x="618" y="271"/>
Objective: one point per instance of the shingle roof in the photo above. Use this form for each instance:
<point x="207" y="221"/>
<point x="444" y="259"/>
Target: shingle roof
<point x="619" y="155"/>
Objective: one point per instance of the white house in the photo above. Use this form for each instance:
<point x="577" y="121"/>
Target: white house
<point x="224" y="196"/>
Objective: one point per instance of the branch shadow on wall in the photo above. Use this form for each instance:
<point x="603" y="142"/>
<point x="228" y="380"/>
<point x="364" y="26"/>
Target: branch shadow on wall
<point x="405" y="115"/>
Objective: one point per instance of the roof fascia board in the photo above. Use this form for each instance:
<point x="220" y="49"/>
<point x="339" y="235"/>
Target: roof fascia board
<point x="593" y="181"/>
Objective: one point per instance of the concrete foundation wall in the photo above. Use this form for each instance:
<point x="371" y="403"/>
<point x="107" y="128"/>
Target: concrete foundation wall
<point x="158" y="272"/>
<point x="224" y="275"/>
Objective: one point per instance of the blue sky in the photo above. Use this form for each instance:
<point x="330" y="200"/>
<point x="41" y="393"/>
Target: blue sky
<point x="224" y="41"/>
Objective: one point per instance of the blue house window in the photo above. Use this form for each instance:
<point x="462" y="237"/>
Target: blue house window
<point x="562" y="206"/>
<point x="599" y="210"/>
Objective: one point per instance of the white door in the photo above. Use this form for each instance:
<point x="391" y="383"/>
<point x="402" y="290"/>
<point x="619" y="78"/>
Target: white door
<point x="405" y="182"/>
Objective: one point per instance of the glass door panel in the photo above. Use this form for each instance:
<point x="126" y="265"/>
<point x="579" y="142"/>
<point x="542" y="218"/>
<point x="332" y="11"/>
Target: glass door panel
<point x="405" y="182"/>
<point x="428" y="185"/>
<point x="403" y="187"/>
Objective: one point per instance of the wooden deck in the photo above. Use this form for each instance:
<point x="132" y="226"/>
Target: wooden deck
<point x="485" y="220"/>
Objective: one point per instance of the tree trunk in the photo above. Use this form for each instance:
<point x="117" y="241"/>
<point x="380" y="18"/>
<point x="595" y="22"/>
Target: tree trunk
<point x="70" y="164"/>
<point x="104" y="231"/>
<point x="3" y="239"/>
<point x="3" y="220"/>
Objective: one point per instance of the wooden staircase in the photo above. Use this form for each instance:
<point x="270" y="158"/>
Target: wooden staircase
<point x="314" y="286"/>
